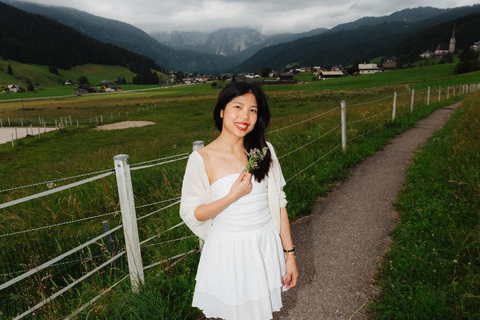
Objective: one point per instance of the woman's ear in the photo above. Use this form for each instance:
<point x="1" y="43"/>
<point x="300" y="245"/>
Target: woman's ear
<point x="221" y="114"/>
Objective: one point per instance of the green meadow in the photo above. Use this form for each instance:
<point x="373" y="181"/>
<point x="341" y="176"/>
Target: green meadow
<point x="432" y="268"/>
<point x="304" y="117"/>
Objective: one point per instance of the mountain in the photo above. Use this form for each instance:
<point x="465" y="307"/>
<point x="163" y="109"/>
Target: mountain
<point x="31" y="38"/>
<point x="240" y="43"/>
<point x="129" y="37"/>
<point x="360" y="43"/>
<point x="406" y="15"/>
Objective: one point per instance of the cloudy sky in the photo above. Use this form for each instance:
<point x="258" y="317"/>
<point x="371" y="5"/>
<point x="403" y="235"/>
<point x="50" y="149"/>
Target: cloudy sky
<point x="266" y="16"/>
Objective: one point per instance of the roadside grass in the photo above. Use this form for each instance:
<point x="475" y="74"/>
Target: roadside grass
<point x="432" y="270"/>
<point x="180" y="121"/>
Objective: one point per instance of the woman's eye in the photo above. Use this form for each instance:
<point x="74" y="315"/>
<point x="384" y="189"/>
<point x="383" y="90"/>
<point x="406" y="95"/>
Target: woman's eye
<point x="254" y="110"/>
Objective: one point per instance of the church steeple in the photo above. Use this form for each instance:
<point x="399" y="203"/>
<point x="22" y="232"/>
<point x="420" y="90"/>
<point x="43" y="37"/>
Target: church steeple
<point x="451" y="47"/>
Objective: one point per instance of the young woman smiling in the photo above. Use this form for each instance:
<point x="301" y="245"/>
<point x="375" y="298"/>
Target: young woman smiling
<point x="248" y="256"/>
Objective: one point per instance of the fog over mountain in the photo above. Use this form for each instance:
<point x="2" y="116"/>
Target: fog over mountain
<point x="240" y="43"/>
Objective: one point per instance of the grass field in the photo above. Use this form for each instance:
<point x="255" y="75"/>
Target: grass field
<point x="183" y="115"/>
<point x="432" y="268"/>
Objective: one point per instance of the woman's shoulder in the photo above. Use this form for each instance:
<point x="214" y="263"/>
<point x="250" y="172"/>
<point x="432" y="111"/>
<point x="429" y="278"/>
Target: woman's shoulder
<point x="272" y="150"/>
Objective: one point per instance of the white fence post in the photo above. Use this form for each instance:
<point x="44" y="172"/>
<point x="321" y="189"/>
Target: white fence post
<point x="197" y="145"/>
<point x="394" y="109"/>
<point x="343" y="106"/>
<point x="428" y="96"/>
<point x="129" y="220"/>
<point x="413" y="99"/>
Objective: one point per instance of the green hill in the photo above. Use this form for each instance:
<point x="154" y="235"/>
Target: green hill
<point x="40" y="74"/>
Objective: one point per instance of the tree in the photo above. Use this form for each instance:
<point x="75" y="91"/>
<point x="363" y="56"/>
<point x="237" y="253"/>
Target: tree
<point x="10" y="71"/>
<point x="83" y="80"/>
<point x="179" y="76"/>
<point x="468" y="54"/>
<point x="265" y="72"/>
<point x="214" y="85"/>
<point x="53" y="69"/>
<point x="30" y="87"/>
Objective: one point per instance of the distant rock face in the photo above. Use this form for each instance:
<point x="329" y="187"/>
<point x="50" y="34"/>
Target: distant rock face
<point x="180" y="39"/>
<point x="240" y="43"/>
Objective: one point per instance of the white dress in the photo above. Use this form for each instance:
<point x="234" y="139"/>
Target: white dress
<point x="240" y="272"/>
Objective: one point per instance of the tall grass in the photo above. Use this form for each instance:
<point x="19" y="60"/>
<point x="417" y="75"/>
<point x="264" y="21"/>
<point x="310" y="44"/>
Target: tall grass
<point x="432" y="270"/>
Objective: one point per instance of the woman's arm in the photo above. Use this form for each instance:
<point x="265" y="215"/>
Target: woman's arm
<point x="291" y="268"/>
<point x="241" y="187"/>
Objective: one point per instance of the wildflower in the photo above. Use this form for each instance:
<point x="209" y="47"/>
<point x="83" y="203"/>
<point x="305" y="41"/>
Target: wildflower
<point x="255" y="156"/>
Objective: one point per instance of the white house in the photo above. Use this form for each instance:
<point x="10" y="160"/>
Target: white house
<point x="325" y="75"/>
<point x="14" y="88"/>
<point x="367" y="68"/>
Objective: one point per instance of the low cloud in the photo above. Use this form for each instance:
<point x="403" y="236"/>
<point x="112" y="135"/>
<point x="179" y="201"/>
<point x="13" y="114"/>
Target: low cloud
<point x="269" y="17"/>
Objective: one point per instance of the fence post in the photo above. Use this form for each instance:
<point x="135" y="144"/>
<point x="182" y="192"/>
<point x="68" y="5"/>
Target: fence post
<point x="394" y="109"/>
<point x="129" y="220"/>
<point x="448" y="93"/>
<point x="428" y="96"/>
<point x="197" y="145"/>
<point x="343" y="106"/>
<point x="439" y="93"/>
<point x="413" y="99"/>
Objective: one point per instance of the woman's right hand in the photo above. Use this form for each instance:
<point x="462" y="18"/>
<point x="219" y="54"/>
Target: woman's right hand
<point x="241" y="187"/>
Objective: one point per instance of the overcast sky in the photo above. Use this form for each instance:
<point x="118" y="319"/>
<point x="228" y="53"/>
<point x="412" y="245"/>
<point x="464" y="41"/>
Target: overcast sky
<point x="266" y="16"/>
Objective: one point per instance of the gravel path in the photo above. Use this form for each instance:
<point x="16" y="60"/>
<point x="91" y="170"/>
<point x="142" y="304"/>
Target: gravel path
<point x="340" y="245"/>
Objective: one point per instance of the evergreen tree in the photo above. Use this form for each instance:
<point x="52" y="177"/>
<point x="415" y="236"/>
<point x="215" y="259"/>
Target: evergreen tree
<point x="53" y="69"/>
<point x="10" y="71"/>
<point x="83" y="80"/>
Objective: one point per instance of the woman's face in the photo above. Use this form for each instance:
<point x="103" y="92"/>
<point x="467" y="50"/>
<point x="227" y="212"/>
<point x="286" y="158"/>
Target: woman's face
<point x="240" y="115"/>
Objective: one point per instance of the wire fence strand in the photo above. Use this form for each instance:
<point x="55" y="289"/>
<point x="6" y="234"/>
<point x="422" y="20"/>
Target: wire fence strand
<point x="326" y="154"/>
<point x="299" y="148"/>
<point x="303" y="121"/>
<point x="71" y="285"/>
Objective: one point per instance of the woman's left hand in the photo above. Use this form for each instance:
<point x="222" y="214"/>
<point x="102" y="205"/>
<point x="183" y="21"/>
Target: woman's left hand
<point x="291" y="272"/>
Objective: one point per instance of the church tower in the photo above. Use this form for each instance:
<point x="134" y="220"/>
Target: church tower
<point x="451" y="48"/>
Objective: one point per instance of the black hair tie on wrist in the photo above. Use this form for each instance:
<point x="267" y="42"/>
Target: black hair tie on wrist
<point x="287" y="251"/>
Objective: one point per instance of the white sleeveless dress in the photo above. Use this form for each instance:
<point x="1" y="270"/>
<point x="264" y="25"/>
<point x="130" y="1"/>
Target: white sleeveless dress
<point x="240" y="272"/>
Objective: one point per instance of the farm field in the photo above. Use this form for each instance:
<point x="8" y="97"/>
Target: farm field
<point x="304" y="117"/>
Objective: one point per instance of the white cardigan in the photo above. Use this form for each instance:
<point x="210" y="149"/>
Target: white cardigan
<point x="196" y="191"/>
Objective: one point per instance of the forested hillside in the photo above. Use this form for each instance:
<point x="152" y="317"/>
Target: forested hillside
<point x="31" y="38"/>
<point x="367" y="41"/>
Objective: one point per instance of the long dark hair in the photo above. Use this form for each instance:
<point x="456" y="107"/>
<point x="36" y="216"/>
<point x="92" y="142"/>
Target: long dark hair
<point x="256" y="138"/>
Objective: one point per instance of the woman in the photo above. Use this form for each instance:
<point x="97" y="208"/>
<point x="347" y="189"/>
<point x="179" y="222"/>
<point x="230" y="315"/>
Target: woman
<point x="248" y="253"/>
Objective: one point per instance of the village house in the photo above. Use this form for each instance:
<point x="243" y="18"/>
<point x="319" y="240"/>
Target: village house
<point x="427" y="54"/>
<point x="68" y="83"/>
<point x="84" y="89"/>
<point x="286" y="77"/>
<point x="14" y="88"/>
<point x="326" y="75"/>
<point x="368" y="68"/>
<point x="304" y="69"/>
<point x="476" y="46"/>
<point x="112" y="88"/>
<point x="389" y="65"/>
